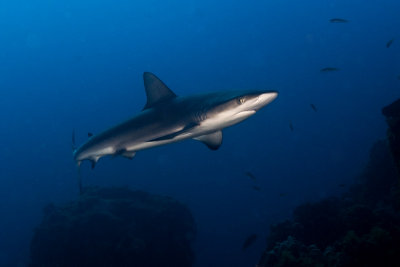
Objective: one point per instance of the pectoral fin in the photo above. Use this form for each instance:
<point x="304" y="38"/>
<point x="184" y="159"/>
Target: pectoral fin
<point x="125" y="153"/>
<point x="213" y="140"/>
<point x="129" y="154"/>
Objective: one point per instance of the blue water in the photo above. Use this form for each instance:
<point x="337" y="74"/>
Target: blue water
<point x="78" y="65"/>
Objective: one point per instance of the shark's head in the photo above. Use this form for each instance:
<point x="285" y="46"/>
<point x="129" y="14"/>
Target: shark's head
<point x="232" y="107"/>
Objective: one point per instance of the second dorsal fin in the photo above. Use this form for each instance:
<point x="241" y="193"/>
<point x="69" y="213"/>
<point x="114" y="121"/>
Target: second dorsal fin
<point x="156" y="90"/>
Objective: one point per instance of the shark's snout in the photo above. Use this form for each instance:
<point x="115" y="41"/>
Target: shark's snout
<point x="267" y="97"/>
<point x="264" y="99"/>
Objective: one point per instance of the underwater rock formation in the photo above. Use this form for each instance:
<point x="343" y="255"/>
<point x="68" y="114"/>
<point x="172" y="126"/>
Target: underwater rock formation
<point x="115" y="227"/>
<point x="360" y="228"/>
<point x="392" y="114"/>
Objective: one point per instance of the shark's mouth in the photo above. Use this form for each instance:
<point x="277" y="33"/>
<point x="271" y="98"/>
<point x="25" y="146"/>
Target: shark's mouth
<point x="245" y="113"/>
<point x="242" y="115"/>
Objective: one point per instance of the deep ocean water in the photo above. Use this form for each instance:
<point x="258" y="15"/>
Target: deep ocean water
<point x="78" y="65"/>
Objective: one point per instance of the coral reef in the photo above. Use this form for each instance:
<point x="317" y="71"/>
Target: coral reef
<point x="115" y="227"/>
<point x="360" y="228"/>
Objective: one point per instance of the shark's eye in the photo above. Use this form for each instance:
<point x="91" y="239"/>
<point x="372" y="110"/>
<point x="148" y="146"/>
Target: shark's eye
<point x="240" y="100"/>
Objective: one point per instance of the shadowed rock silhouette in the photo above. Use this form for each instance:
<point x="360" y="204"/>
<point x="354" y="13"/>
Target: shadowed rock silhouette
<point x="115" y="227"/>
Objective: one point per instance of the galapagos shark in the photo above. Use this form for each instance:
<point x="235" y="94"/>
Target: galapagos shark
<point x="168" y="118"/>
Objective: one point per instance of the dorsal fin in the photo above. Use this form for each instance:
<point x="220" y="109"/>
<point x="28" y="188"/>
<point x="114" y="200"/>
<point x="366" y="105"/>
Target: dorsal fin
<point x="156" y="90"/>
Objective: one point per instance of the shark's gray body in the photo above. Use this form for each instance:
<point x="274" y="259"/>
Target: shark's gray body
<point x="167" y="118"/>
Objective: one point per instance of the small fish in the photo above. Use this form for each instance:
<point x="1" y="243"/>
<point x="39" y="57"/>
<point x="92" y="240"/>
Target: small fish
<point x="282" y="194"/>
<point x="388" y="44"/>
<point x="329" y="69"/>
<point x="249" y="241"/>
<point x="338" y="20"/>
<point x="291" y="126"/>
<point x="251" y="176"/>
<point x="257" y="188"/>
<point x="313" y="107"/>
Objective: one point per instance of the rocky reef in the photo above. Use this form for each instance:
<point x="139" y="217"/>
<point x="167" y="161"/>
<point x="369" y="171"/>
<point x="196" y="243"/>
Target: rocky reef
<point x="392" y="114"/>
<point x="359" y="228"/>
<point x="115" y="227"/>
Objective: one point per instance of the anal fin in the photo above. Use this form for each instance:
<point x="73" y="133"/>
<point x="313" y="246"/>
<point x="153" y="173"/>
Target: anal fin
<point x="213" y="140"/>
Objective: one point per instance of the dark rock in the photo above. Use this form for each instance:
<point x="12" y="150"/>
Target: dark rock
<point x="115" y="227"/>
<point x="291" y="252"/>
<point x="392" y="114"/>
<point x="361" y="228"/>
<point x="378" y="180"/>
<point x="392" y="110"/>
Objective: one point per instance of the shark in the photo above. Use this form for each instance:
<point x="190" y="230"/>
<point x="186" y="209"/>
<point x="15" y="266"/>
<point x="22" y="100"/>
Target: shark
<point x="167" y="118"/>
